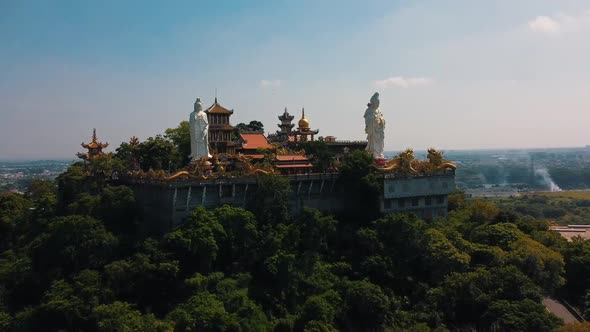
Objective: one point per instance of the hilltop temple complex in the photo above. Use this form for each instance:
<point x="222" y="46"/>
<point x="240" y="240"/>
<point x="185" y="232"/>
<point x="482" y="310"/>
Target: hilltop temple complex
<point x="225" y="162"/>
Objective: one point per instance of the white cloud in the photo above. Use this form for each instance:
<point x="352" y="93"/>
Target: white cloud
<point x="544" y="24"/>
<point x="560" y="23"/>
<point x="270" y="83"/>
<point x="403" y="82"/>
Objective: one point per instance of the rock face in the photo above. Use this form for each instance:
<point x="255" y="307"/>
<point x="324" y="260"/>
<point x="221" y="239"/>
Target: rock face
<point x="199" y="130"/>
<point x="375" y="127"/>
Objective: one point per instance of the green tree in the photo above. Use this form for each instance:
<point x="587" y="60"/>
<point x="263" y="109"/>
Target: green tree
<point x="542" y="264"/>
<point x="84" y="204"/>
<point x="5" y="321"/>
<point x="502" y="235"/>
<point x="122" y="317"/>
<point x="316" y="230"/>
<point x="320" y="154"/>
<point x="317" y="326"/>
<point x="360" y="189"/>
<point x="482" y="211"/>
<point x="319" y="308"/>
<point x="456" y="201"/>
<point x="14" y="209"/>
<point x="441" y="256"/>
<point x="149" y="268"/>
<point x="197" y="241"/>
<point x="72" y="183"/>
<point x="128" y="152"/>
<point x="252" y="126"/>
<point x="464" y="298"/>
<point x="181" y="138"/>
<point x="256" y="126"/>
<point x="158" y="153"/>
<point x="239" y="248"/>
<point x="202" y="312"/>
<point x="366" y="307"/>
<point x="116" y="206"/>
<point x="71" y="244"/>
<point x="69" y="305"/>
<point x="271" y="203"/>
<point x="39" y="188"/>
<point x="104" y="167"/>
<point x="233" y="292"/>
<point x="523" y="315"/>
<point x="577" y="269"/>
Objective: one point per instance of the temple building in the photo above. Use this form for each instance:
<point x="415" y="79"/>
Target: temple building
<point x="220" y="129"/>
<point x="94" y="148"/>
<point x="293" y="164"/>
<point x="291" y="139"/>
<point x="304" y="133"/>
<point x="253" y="144"/>
<point x="286" y="126"/>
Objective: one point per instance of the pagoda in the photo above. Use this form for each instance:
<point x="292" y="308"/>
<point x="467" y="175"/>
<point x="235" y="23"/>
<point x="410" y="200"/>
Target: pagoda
<point x="286" y="125"/>
<point x="220" y="129"/>
<point x="303" y="131"/>
<point x="94" y="148"/>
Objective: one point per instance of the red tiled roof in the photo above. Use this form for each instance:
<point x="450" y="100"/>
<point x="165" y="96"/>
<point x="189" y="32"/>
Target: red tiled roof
<point x="255" y="141"/>
<point x="95" y="145"/>
<point x="292" y="157"/>
<point x="294" y="166"/>
<point x="254" y="156"/>
<point x="218" y="109"/>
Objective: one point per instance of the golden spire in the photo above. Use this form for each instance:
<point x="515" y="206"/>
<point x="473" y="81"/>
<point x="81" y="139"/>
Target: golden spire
<point x="303" y="123"/>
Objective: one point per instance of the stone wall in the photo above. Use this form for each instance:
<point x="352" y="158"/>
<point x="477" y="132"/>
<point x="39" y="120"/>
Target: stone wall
<point x="167" y="204"/>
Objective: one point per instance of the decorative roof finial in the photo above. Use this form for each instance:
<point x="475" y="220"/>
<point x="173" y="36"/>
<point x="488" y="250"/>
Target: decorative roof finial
<point x="94" y="134"/>
<point x="215" y="95"/>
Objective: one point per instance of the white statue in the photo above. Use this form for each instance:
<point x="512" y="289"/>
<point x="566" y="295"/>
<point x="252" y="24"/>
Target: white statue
<point x="375" y="128"/>
<point x="199" y="130"/>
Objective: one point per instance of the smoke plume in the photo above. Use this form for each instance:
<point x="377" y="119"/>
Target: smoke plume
<point x="547" y="180"/>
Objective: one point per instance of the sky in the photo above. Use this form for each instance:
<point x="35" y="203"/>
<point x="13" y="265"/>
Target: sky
<point x="452" y="74"/>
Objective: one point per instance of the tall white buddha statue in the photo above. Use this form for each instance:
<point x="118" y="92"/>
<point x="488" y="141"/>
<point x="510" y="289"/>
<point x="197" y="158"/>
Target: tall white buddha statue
<point x="199" y="130"/>
<point x="375" y="128"/>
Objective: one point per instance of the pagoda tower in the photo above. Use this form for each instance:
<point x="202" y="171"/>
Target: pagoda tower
<point x="303" y="131"/>
<point x="286" y="125"/>
<point x="94" y="148"/>
<point x="220" y="129"/>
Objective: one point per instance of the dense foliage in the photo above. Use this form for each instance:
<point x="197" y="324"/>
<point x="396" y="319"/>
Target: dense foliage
<point x="561" y="208"/>
<point x="74" y="256"/>
<point x="80" y="262"/>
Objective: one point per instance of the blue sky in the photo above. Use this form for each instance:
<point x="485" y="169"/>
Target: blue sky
<point x="456" y="74"/>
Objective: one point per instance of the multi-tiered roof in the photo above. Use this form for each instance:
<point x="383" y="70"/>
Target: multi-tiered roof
<point x="286" y="125"/>
<point x="220" y="129"/>
<point x="94" y="148"/>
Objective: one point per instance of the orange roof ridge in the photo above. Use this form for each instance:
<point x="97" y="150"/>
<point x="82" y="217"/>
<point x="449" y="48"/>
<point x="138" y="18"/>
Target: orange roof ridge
<point x="255" y="141"/>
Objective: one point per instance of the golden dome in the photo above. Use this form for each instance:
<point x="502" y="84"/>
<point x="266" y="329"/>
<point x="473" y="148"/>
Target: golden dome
<point x="303" y="123"/>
